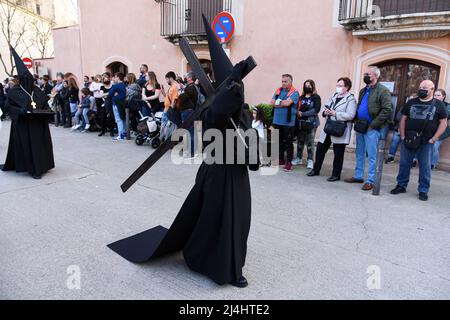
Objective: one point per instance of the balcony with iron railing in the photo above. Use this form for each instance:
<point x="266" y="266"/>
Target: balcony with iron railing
<point x="381" y="20"/>
<point x="183" y="18"/>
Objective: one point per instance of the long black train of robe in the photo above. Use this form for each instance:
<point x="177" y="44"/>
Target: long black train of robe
<point x="30" y="144"/>
<point x="213" y="224"/>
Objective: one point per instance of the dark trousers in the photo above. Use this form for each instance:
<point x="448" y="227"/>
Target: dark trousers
<point x="185" y="114"/>
<point x="102" y="118"/>
<point x="286" y="142"/>
<point x="2" y="107"/>
<point x="66" y="115"/>
<point x="105" y="119"/>
<point x="339" y="152"/>
<point x="134" y="120"/>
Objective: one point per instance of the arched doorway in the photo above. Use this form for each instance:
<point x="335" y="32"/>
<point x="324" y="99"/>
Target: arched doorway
<point x="206" y="65"/>
<point x="403" y="77"/>
<point x="116" y="66"/>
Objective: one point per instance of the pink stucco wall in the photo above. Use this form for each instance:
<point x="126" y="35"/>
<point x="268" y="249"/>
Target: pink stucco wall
<point x="132" y="39"/>
<point x="67" y="52"/>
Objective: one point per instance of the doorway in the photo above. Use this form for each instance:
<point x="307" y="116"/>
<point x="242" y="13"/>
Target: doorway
<point x="116" y="66"/>
<point x="403" y="77"/>
<point x="206" y="65"/>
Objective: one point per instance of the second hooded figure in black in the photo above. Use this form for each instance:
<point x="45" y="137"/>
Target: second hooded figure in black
<point x="30" y="145"/>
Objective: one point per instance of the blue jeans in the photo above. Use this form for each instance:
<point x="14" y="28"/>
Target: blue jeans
<point x="367" y="144"/>
<point x="82" y="112"/>
<point x="119" y="121"/>
<point x="73" y="109"/>
<point x="394" y="144"/>
<point x="435" y="153"/>
<point x="184" y="116"/>
<point x="406" y="157"/>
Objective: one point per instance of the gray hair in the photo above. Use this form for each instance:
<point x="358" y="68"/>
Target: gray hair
<point x="376" y="70"/>
<point x="192" y="75"/>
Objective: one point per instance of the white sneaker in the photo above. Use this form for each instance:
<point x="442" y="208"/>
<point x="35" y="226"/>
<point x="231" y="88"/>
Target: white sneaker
<point x="76" y="127"/>
<point x="87" y="127"/>
<point x="310" y="164"/>
<point x="296" y="161"/>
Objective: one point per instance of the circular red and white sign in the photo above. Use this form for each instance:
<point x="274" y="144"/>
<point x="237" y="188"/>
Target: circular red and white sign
<point x="28" y="62"/>
<point x="224" y="26"/>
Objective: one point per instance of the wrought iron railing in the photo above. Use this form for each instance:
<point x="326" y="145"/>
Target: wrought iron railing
<point x="184" y="17"/>
<point x="362" y="9"/>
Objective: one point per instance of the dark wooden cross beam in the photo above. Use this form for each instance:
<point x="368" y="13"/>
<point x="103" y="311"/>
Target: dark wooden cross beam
<point x="202" y="77"/>
<point x="211" y="96"/>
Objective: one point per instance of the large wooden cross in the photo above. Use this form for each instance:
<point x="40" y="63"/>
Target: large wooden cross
<point x="211" y="94"/>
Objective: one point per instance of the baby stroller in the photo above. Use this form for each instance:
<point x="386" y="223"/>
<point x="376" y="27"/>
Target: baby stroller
<point x="149" y="129"/>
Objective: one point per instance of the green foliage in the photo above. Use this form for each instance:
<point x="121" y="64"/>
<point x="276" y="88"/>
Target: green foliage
<point x="268" y="112"/>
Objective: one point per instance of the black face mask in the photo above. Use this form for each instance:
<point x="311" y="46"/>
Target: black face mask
<point x="367" y="80"/>
<point x="308" y="90"/>
<point x="107" y="82"/>
<point x="423" y="93"/>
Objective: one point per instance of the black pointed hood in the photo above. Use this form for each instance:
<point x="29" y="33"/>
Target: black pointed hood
<point x="26" y="79"/>
<point x="17" y="96"/>
<point x="221" y="63"/>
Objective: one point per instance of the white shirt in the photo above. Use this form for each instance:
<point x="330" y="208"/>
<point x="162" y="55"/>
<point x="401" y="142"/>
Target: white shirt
<point x="259" y="126"/>
<point x="95" y="89"/>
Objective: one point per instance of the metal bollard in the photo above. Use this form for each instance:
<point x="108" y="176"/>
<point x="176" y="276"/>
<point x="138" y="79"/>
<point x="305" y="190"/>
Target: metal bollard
<point x="56" y="119"/>
<point x="379" y="169"/>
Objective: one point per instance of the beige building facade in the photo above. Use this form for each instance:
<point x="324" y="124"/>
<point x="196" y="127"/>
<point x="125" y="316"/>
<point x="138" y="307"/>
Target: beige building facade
<point x="30" y="24"/>
<point x="320" y="40"/>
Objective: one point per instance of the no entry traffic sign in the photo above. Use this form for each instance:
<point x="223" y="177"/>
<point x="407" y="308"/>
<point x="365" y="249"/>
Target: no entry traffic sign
<point x="28" y="62"/>
<point x="224" y="26"/>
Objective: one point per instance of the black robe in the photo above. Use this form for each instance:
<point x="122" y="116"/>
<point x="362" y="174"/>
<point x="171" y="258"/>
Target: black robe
<point x="213" y="224"/>
<point x="30" y="144"/>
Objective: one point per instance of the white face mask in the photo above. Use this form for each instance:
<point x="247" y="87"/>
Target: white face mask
<point x="339" y="90"/>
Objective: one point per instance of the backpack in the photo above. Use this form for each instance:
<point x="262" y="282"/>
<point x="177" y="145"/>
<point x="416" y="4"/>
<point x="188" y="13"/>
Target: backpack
<point x="200" y="97"/>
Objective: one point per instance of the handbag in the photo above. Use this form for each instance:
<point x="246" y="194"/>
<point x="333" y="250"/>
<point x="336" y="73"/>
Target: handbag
<point x="361" y="126"/>
<point x="335" y="128"/>
<point x="413" y="140"/>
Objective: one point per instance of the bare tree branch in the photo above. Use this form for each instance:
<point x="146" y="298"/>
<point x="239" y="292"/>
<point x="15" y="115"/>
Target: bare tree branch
<point x="28" y="32"/>
<point x="42" y="36"/>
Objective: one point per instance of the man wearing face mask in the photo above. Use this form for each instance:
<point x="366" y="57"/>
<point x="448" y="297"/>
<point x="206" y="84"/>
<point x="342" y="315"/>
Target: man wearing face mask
<point x="371" y="124"/>
<point x="424" y="119"/>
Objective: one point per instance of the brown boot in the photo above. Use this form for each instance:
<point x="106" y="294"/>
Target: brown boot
<point x="367" y="187"/>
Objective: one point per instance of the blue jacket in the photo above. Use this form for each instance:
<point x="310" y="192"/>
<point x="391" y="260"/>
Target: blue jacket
<point x="121" y="91"/>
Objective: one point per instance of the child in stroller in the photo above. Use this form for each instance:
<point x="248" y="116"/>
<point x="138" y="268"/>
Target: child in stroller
<point x="149" y="129"/>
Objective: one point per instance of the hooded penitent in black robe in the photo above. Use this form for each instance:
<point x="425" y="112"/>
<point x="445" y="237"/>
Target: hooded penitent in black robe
<point x="30" y="144"/>
<point x="212" y="226"/>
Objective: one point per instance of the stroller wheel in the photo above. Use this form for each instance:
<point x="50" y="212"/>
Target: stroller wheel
<point x="140" y="140"/>
<point x="156" y="143"/>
